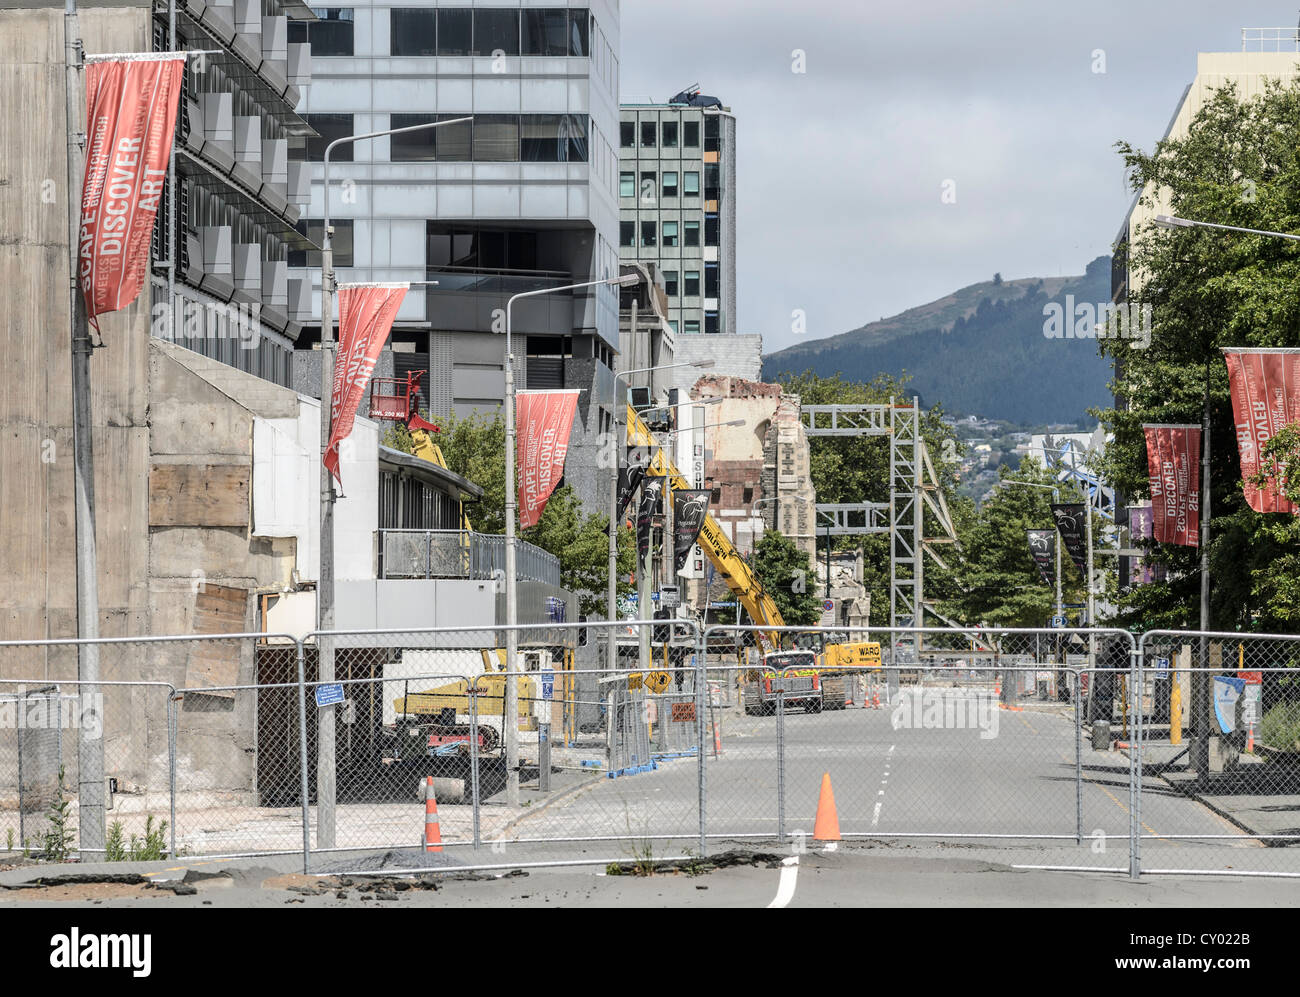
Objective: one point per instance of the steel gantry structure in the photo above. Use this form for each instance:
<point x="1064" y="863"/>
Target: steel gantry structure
<point x="913" y="487"/>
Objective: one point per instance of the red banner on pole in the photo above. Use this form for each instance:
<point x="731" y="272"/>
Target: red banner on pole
<point x="131" y="106"/>
<point x="543" y="422"/>
<point x="1265" y="387"/>
<point x="1173" y="461"/>
<point x="366" y="313"/>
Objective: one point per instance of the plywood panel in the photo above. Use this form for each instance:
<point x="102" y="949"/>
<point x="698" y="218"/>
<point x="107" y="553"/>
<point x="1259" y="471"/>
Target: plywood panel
<point x="218" y="609"/>
<point x="199" y="495"/>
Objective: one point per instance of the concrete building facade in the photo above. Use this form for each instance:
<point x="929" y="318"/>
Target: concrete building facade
<point x="677" y="206"/>
<point x="522" y="198"/>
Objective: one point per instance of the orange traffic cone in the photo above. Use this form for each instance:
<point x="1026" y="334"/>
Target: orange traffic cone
<point x="432" y="832"/>
<point x="827" y="825"/>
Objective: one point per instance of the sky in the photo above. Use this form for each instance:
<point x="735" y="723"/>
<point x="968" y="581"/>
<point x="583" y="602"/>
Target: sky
<point x="1012" y="108"/>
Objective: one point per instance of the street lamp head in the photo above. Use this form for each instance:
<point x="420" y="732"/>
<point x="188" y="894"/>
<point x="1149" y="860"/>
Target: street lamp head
<point x="702" y="364"/>
<point x="1172" y="221"/>
<point x="626" y="280"/>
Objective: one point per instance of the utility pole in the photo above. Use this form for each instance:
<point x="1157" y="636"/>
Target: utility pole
<point x="1200" y="747"/>
<point x="90" y="743"/>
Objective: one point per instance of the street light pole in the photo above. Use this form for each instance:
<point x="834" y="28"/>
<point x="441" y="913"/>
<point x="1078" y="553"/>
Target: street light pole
<point x="1056" y="500"/>
<point x="510" y="719"/>
<point x="326" y="786"/>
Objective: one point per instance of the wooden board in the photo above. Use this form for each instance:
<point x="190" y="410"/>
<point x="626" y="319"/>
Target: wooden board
<point x="218" y="609"/>
<point x="199" y="495"/>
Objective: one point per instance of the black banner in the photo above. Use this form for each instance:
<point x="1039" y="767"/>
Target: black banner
<point x="690" y="506"/>
<point x="1040" y="549"/>
<point x="629" y="480"/>
<point x="651" y="504"/>
<point x="1073" y="529"/>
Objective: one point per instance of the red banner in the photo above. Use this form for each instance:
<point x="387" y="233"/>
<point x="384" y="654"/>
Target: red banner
<point x="1265" y="397"/>
<point x="131" y="106"/>
<point x="1173" y="461"/>
<point x="543" y="421"/>
<point x="366" y="313"/>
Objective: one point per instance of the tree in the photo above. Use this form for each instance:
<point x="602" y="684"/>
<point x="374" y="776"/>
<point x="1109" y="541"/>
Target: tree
<point x="785" y="573"/>
<point x="474" y="448"/>
<point x="1208" y="289"/>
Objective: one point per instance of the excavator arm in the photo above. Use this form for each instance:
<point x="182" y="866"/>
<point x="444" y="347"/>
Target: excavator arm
<point x="717" y="548"/>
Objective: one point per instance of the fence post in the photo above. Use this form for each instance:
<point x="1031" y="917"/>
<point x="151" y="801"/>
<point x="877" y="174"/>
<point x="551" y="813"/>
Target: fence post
<point x="22" y="710"/>
<point x="1135" y="766"/>
<point x="701" y="690"/>
<point x="172" y="724"/>
<point x="780" y="763"/>
<point x="302" y="754"/>
<point x="1078" y="757"/>
<point x="473" y="754"/>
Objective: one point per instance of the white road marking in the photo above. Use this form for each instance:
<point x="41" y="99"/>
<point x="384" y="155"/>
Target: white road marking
<point x="875" y="815"/>
<point x="785" y="888"/>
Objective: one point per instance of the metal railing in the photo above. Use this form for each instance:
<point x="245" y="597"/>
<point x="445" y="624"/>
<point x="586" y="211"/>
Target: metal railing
<point x="1270" y="40"/>
<point x="460" y="554"/>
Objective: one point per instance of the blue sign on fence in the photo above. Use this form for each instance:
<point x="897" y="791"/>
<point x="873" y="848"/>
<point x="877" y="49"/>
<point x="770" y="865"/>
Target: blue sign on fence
<point x="329" y="694"/>
<point x="548" y="685"/>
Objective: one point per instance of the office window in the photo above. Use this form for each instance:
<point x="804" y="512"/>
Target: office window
<point x="545" y="32"/>
<point x="579" y="28"/>
<point x="331" y="127"/>
<point x="627" y="233"/>
<point x="496" y="136"/>
<point x="670" y="233"/>
<point x="670" y="134"/>
<point x="627" y="134"/>
<point x="672" y="324"/>
<point x="648" y="134"/>
<point x="553" y="138"/>
<point x="496" y="30"/>
<point x="670" y="184"/>
<point x="314" y="229"/>
<point x="691" y="234"/>
<point x="413" y="147"/>
<point x="455" y="31"/>
<point x="627" y="185"/>
<point x="648" y="186"/>
<point x="710" y="280"/>
<point x="454" y="143"/>
<point x="691" y="134"/>
<point x="691" y="327"/>
<point x="331" y="35"/>
<point x="712" y="182"/>
<point x="711" y="229"/>
<point x="413" y="31"/>
<point x="647" y="233"/>
<point x="691" y="183"/>
<point x="710" y="323"/>
<point x="712" y="130"/>
<point x="691" y="285"/>
<point x="466" y="247"/>
<point x="670" y="283"/>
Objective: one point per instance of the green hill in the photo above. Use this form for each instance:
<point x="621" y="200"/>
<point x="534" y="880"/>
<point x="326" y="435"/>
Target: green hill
<point x="979" y="351"/>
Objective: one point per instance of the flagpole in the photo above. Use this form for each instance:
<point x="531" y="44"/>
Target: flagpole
<point x="90" y="744"/>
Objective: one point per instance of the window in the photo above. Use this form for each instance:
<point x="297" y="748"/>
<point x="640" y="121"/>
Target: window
<point x="465" y="247"/>
<point x="496" y="30"/>
<point x="711" y="229"/>
<point x="627" y="134"/>
<point x="691" y="286"/>
<point x="579" y="37"/>
<point x="627" y="233"/>
<point x="455" y="31"/>
<point x="670" y="184"/>
<point x="545" y="32"/>
<point x="553" y="138"/>
<point x="691" y="183"/>
<point x="670" y="233"/>
<point x="647" y="233"/>
<point x="454" y="142"/>
<point x="413" y="31"/>
<point x="670" y="134"/>
<point x="748" y="495"/>
<point x="712" y="183"/>
<point x="710" y="280"/>
<point x="691" y="137"/>
<point x="710" y="323"/>
<point x="331" y="35"/>
<point x="413" y="146"/>
<point x="314" y="229"/>
<point x="627" y="185"/>
<point x="496" y="136"/>
<point x="691" y="234"/>
<point x="712" y="130"/>
<point x="331" y="127"/>
<point x="670" y="283"/>
<point x="691" y="327"/>
<point x="672" y="324"/>
<point x="648" y="186"/>
<point x="647" y="134"/>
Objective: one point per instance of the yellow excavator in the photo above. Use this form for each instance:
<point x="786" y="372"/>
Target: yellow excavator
<point x="823" y="672"/>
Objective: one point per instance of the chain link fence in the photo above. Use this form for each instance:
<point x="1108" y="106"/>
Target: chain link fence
<point x="1069" y="749"/>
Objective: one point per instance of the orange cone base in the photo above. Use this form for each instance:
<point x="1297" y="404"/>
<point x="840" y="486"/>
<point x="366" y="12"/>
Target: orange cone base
<point x="827" y="826"/>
